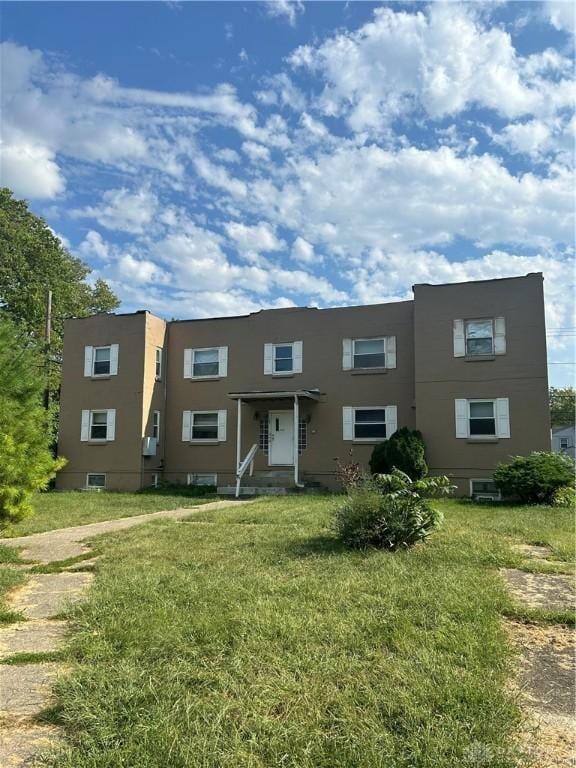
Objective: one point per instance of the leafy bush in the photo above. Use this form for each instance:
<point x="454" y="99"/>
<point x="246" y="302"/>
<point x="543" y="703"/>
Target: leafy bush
<point x="404" y="450"/>
<point x="535" y="478"/>
<point x="565" y="497"/>
<point x="349" y="475"/>
<point x="26" y="462"/>
<point x="389" y="511"/>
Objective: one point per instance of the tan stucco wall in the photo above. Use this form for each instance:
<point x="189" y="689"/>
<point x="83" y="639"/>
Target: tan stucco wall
<point x="520" y="374"/>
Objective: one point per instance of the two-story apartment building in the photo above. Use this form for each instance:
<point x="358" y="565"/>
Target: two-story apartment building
<point x="297" y="389"/>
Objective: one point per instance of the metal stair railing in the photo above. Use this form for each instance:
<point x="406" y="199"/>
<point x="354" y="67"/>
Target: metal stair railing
<point x="247" y="463"/>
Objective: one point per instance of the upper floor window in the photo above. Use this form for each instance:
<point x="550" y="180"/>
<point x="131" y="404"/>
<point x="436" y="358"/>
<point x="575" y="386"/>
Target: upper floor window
<point x="282" y="359"/>
<point x="98" y="425"/>
<point x="482" y="419"/>
<point x="564" y="444"/>
<point x="101" y="361"/>
<point x="479" y="337"/>
<point x="206" y="363"/>
<point x="158" y="364"/>
<point x="204" y="426"/>
<point x="156" y="425"/>
<point x="366" y="354"/>
<point x="372" y="424"/>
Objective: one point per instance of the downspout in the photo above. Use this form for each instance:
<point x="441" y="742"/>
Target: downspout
<point x="297" y="482"/>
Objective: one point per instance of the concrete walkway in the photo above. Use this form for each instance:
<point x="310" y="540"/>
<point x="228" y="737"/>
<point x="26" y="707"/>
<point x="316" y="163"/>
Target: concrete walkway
<point x="26" y="689"/>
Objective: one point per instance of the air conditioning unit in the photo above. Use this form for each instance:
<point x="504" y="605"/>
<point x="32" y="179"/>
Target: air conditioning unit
<point x="149" y="446"/>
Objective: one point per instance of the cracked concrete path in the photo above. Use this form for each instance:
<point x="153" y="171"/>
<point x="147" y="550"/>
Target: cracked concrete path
<point x="40" y="636"/>
<point x="20" y="743"/>
<point x="64" y="543"/>
<point x="540" y="590"/>
<point x="45" y="595"/>
<point x="26" y="689"/>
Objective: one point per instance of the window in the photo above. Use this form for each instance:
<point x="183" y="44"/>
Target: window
<point x="156" y="425"/>
<point x="101" y="361"/>
<point x="209" y="362"/>
<point x="563" y="443"/>
<point x="94" y="480"/>
<point x="482" y="418"/>
<point x="155" y="479"/>
<point x="369" y="353"/>
<point x="204" y="426"/>
<point x="369" y="423"/>
<point x="264" y="433"/>
<point x="283" y="359"/>
<point x="479" y="337"/>
<point x="484" y="489"/>
<point x="302" y="435"/>
<point x="98" y="425"/>
<point x="205" y="478"/>
<point x="158" y="364"/>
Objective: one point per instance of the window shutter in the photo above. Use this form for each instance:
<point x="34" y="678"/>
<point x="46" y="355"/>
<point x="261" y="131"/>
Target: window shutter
<point x="186" y="426"/>
<point x="459" y="340"/>
<point x="268" y="355"/>
<point x="223" y="361"/>
<point x="113" y="359"/>
<point x="346" y="354"/>
<point x="297" y="349"/>
<point x="222" y="425"/>
<point x="390" y="351"/>
<point x="85" y="427"/>
<point x="461" y="411"/>
<point x="110" y="424"/>
<point x="499" y="336"/>
<point x="187" y="363"/>
<point x="391" y="420"/>
<point x="88" y="357"/>
<point x="347" y="423"/>
<point x="502" y="417"/>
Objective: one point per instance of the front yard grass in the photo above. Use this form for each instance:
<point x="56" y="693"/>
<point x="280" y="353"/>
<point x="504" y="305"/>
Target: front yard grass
<point x="61" y="509"/>
<point x="249" y="638"/>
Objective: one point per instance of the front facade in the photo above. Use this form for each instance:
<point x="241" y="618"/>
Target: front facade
<point x="292" y="392"/>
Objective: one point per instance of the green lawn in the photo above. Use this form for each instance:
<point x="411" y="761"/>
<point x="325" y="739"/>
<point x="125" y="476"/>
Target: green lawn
<point x="248" y="638"/>
<point x="62" y="509"/>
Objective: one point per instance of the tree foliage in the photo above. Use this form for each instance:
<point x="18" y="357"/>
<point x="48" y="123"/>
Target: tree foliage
<point x="534" y="479"/>
<point x="404" y="450"/>
<point x="562" y="405"/>
<point x="26" y="463"/>
<point x="33" y="260"/>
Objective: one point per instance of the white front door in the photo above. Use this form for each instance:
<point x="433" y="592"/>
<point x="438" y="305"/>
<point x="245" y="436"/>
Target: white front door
<point x="281" y="437"/>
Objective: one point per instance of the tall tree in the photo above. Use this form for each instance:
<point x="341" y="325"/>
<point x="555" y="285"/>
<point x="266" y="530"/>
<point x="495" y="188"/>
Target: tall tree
<point x="562" y="404"/>
<point x="26" y="462"/>
<point x="33" y="260"/>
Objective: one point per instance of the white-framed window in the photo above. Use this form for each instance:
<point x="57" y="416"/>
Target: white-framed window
<point x="204" y="426"/>
<point x="156" y="424"/>
<point x="98" y="425"/>
<point x="479" y="337"/>
<point x="482" y="418"/>
<point x="202" y="478"/>
<point x="484" y="488"/>
<point x="369" y="353"/>
<point x="158" y="364"/>
<point x="101" y="361"/>
<point x="369" y="423"/>
<point x="283" y="359"/>
<point x="206" y="363"/>
<point x="155" y="479"/>
<point x="564" y="444"/>
<point x="96" y="480"/>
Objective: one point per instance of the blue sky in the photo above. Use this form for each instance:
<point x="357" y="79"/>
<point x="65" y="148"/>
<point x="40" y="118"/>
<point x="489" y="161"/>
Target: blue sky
<point x="216" y="158"/>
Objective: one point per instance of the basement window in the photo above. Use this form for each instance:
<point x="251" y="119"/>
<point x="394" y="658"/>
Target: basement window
<point x="95" y="481"/>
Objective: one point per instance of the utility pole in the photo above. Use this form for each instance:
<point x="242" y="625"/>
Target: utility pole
<point x="47" y="339"/>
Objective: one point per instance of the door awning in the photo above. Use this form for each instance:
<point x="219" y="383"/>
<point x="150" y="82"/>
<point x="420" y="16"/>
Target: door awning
<point x="310" y="394"/>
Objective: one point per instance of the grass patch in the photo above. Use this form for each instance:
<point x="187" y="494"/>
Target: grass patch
<point x="249" y="637"/>
<point x="9" y="579"/>
<point x="60" y="565"/>
<point x="34" y="658"/>
<point x="63" y="509"/>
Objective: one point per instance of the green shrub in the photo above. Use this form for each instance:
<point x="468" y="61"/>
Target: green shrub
<point x="535" y="478"/>
<point x="565" y="497"/>
<point x="404" y="450"/>
<point x="389" y="511"/>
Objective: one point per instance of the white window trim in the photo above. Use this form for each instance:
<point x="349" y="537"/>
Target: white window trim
<point x="270" y="358"/>
<point x="155" y="478"/>
<point x="86" y="425"/>
<point x="188" y="416"/>
<point x="349" y="347"/>
<point x="158" y="355"/>
<point x="98" y="487"/>
<point x="369" y="368"/>
<point x="494" y="416"/>
<point x="501" y="406"/>
<point x="156" y="426"/>
<point x="492" y="335"/>
<point x="190" y="477"/>
<point x="483" y="480"/>
<point x="460" y="337"/>
<point x="368" y="408"/>
<point x="190" y="354"/>
<point x="90" y="361"/>
<point x="348" y="425"/>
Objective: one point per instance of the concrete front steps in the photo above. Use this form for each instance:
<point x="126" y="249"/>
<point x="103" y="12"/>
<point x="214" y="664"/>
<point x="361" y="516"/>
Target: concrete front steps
<point x="271" y="483"/>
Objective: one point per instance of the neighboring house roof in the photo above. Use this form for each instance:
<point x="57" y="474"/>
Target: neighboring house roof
<point x="566" y="431"/>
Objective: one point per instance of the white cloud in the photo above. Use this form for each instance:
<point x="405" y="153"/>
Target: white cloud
<point x="561" y="14"/>
<point x="30" y="171"/>
<point x="303" y="251"/>
<point x="541" y="138"/>
<point x="259" y="238"/>
<point x="123" y="210"/>
<point x="94" y="245"/>
<point x="218" y="176"/>
<point x="256" y="152"/>
<point x="286" y="9"/>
